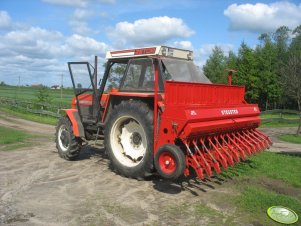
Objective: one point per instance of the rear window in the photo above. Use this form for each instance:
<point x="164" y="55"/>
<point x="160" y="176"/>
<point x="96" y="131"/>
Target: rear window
<point x="182" y="70"/>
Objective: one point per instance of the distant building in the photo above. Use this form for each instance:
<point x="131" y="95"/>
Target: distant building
<point x="37" y="86"/>
<point x="55" y="87"/>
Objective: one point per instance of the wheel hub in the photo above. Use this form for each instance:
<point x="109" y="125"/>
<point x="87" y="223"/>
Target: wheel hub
<point x="64" y="138"/>
<point x="133" y="140"/>
<point x="167" y="162"/>
<point x="136" y="139"/>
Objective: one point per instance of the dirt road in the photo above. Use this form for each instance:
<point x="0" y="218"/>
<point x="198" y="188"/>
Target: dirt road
<point x="282" y="146"/>
<point x="39" y="188"/>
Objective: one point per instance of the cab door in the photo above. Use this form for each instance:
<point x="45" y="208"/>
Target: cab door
<point x="85" y="90"/>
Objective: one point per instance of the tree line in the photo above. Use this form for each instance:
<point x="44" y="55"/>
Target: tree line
<point x="271" y="72"/>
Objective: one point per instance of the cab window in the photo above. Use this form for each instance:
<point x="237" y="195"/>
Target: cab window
<point x="116" y="74"/>
<point x="139" y="76"/>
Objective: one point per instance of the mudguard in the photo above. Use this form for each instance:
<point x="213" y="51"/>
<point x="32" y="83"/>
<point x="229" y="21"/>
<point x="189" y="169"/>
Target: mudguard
<point x="78" y="128"/>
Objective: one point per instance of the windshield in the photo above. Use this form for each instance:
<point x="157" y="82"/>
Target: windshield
<point x="182" y="70"/>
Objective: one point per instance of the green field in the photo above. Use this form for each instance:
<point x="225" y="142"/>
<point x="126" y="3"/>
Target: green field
<point x="29" y="116"/>
<point x="28" y="102"/>
<point x="31" y="94"/>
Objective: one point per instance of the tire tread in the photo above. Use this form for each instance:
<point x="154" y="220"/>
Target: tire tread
<point x="75" y="144"/>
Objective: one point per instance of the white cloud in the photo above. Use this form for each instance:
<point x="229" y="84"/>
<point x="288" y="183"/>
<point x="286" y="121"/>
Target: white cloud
<point x="204" y="52"/>
<point x="79" y="27"/>
<point x="183" y="45"/>
<point x="104" y="15"/>
<point x="155" y="30"/>
<point x="86" y="45"/>
<point x="107" y="1"/>
<point x="39" y="55"/>
<point x="5" y="20"/>
<point x="31" y="35"/>
<point x="206" y="49"/>
<point x="262" y="17"/>
<point x="78" y="22"/>
<point x="81" y="14"/>
<point x="33" y="42"/>
<point x="73" y="3"/>
<point x="78" y="3"/>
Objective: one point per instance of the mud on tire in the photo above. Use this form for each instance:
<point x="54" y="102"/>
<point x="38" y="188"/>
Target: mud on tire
<point x="129" y="139"/>
<point x="67" y="144"/>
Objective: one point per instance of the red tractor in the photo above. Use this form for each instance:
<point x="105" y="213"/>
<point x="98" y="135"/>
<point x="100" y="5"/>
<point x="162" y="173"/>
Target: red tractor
<point x="154" y="110"/>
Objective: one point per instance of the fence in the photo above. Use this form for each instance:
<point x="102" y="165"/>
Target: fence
<point x="33" y="107"/>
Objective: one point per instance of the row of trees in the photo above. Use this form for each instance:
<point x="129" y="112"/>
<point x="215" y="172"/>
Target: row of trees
<point x="271" y="72"/>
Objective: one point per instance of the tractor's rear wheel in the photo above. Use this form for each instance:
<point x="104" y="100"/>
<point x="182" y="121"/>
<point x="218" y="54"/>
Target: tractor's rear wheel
<point x="129" y="139"/>
<point x="170" y="162"/>
<point x="67" y="144"/>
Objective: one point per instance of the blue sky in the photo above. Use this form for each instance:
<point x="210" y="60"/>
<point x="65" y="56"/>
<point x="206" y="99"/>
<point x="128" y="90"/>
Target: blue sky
<point x="38" y="37"/>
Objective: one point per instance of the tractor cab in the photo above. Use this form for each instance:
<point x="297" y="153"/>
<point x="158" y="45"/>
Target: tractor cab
<point x="155" y="110"/>
<point x="136" y="68"/>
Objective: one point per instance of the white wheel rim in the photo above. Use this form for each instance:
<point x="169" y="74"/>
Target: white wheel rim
<point x="128" y="141"/>
<point x="62" y="146"/>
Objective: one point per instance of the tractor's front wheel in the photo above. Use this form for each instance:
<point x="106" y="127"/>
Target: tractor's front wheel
<point x="67" y="144"/>
<point x="129" y="139"/>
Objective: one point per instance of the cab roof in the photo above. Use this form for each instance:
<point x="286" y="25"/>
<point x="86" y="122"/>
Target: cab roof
<point x="163" y="51"/>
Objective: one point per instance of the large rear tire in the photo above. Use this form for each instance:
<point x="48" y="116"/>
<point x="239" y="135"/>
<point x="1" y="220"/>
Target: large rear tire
<point x="129" y="139"/>
<point x="67" y="144"/>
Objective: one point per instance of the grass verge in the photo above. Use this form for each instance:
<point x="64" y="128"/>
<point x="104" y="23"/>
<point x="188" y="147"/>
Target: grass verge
<point x="276" y="120"/>
<point x="256" y="198"/>
<point x="12" y="139"/>
<point x="10" y="136"/>
<point x="292" y="138"/>
<point x="16" y="146"/>
<point x="256" y="201"/>
<point x="278" y="124"/>
<point x="277" y="166"/>
<point x="279" y="116"/>
<point x="265" y="180"/>
<point x="30" y="116"/>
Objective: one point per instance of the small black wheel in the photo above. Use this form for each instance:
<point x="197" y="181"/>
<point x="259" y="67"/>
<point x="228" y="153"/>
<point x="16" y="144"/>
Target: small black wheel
<point x="67" y="144"/>
<point x="129" y="139"/>
<point x="170" y="162"/>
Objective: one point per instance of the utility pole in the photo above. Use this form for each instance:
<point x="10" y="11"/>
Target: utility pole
<point x="62" y="81"/>
<point x="18" y="90"/>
